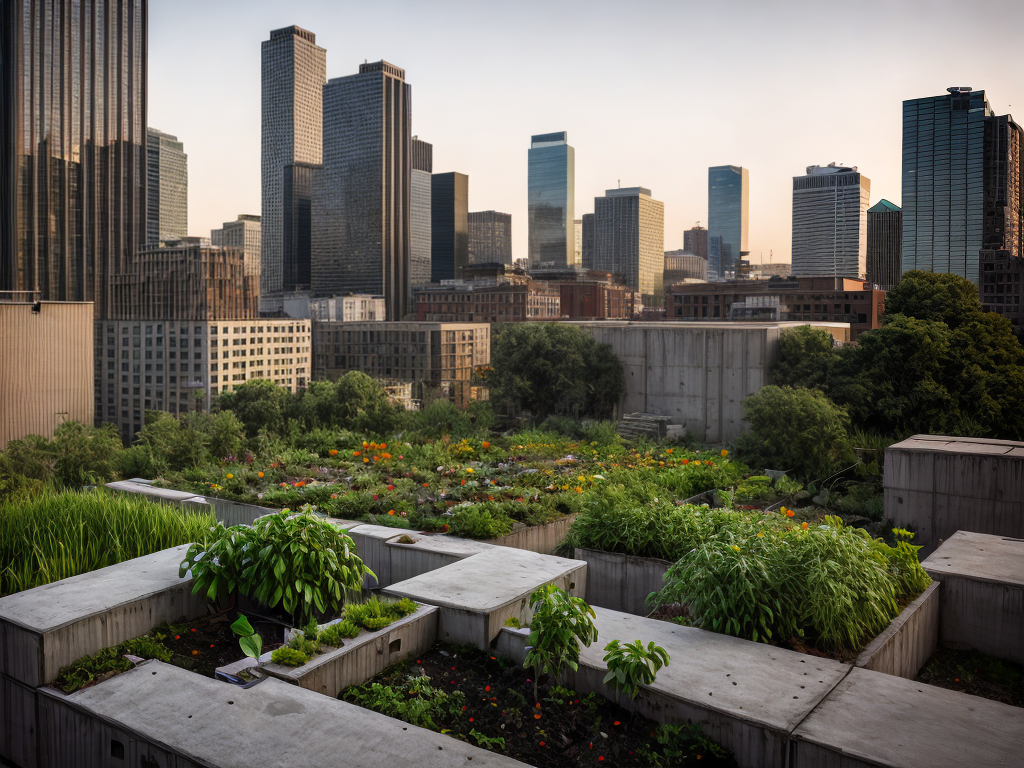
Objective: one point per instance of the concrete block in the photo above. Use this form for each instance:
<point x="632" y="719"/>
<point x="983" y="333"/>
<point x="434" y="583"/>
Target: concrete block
<point x="909" y="641"/>
<point x="371" y="541"/>
<point x="158" y="714"/>
<point x="543" y="539"/>
<point x="183" y="499"/>
<point x="477" y="594"/>
<point x="622" y="582"/>
<point x="873" y="719"/>
<point x="18" y="725"/>
<point x="363" y="656"/>
<point x="428" y="553"/>
<point x="981" y="604"/>
<point x="48" y="627"/>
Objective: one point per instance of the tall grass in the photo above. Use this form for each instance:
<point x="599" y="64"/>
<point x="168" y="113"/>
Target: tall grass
<point x="54" y="535"/>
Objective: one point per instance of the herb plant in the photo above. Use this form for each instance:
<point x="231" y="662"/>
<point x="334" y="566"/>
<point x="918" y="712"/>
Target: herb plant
<point x="250" y="643"/>
<point x="631" y="665"/>
<point x="559" y="624"/>
<point x="289" y="657"/>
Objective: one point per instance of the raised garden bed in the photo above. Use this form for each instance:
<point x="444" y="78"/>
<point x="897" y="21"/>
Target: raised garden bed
<point x="977" y="674"/>
<point x="484" y="700"/>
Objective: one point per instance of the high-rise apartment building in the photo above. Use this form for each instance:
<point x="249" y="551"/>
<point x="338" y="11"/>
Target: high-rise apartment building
<point x="449" y="226"/>
<point x="419" y="217"/>
<point x="72" y="145"/>
<point x="695" y="240"/>
<point x="294" y="72"/>
<point x="167" y="191"/>
<point x="728" y="217"/>
<point x="629" y="238"/>
<point x="587" y="235"/>
<point x="361" y="216"/>
<point x="551" y="201"/>
<point x="885" y="245"/>
<point x="961" y="182"/>
<point x="830" y="224"/>
<point x="243" y="234"/>
<point x="490" y="237"/>
<point x="577" y="226"/>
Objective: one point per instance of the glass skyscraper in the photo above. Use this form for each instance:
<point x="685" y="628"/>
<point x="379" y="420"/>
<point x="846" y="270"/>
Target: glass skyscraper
<point x="449" y="226"/>
<point x="728" y="217"/>
<point x="490" y="237"/>
<point x="551" y="202"/>
<point x="629" y="238"/>
<point x="72" y="145"/>
<point x="830" y="225"/>
<point x="167" y="193"/>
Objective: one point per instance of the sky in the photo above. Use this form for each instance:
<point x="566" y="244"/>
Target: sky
<point x="651" y="93"/>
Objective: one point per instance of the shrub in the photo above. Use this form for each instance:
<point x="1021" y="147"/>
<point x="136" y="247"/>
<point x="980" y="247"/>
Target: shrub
<point x="559" y="624"/>
<point x="631" y="665"/>
<point x="485" y="520"/>
<point x="376" y="614"/>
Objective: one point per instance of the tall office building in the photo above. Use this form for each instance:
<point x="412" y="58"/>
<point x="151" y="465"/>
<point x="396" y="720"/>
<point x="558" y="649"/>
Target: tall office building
<point x="294" y="72"/>
<point x="167" y="187"/>
<point x="728" y="217"/>
<point x="490" y="238"/>
<point x="961" y="182"/>
<point x="361" y="216"/>
<point x="449" y="226"/>
<point x="830" y="224"/>
<point x="587" y="235"/>
<point x="243" y="234"/>
<point x="72" y="145"/>
<point x="551" y="201"/>
<point x="419" y="217"/>
<point x="577" y="227"/>
<point x="629" y="238"/>
<point x="885" y="245"/>
<point x="695" y="241"/>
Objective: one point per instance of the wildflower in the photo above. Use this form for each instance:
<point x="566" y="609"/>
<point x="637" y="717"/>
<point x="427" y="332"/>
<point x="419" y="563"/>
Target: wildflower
<point x="375" y="497"/>
<point x="404" y="514"/>
<point x="485" y="444"/>
<point x="487" y="687"/>
<point x="365" y="460"/>
<point x="578" y="489"/>
<point x="426" y="485"/>
<point x="391" y="512"/>
<point x="385" y="455"/>
<point x="356" y="453"/>
<point x="463" y="482"/>
<point x="470" y="470"/>
<point x="760" y="535"/>
<point x="400" y="457"/>
<point x="617" y="723"/>
<point x="333" y="452"/>
<point x="804" y="526"/>
<point x="686" y="461"/>
<point x="259" y="475"/>
<point x="195" y="653"/>
<point x="734" y="547"/>
<point x="334" y="495"/>
<point x="391" y="487"/>
<point x="383" y="446"/>
<point x="790" y="513"/>
<point x="724" y="453"/>
<point x="444" y="528"/>
<point x="229" y="476"/>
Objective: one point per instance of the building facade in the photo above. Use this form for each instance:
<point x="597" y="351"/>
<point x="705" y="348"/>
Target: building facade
<point x="815" y="299"/>
<point x="294" y="70"/>
<point x="577" y="227"/>
<point x="885" y="245"/>
<point x="72" y="145"/>
<point x="695" y="240"/>
<point x="508" y="299"/>
<point x="629" y="238"/>
<point x="449" y="226"/>
<point x="587" y="251"/>
<point x="438" y="358"/>
<point x="1004" y="186"/>
<point x="361" y="211"/>
<point x="490" y="238"/>
<point x="728" y="217"/>
<point x="551" y="201"/>
<point x="167" y="190"/>
<point x="244" y="234"/>
<point x="830" y="223"/>
<point x="349" y="309"/>
<point x="596" y="299"/>
<point x="684" y="265"/>
<point x="419" y="216"/>
<point x="1002" y="286"/>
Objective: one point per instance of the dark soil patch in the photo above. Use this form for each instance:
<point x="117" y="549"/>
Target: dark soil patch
<point x="489" y="702"/>
<point x="977" y="674"/>
<point x="207" y="643"/>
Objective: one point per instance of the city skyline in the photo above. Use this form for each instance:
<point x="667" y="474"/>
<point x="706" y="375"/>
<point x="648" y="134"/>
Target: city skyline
<point x="488" y="140"/>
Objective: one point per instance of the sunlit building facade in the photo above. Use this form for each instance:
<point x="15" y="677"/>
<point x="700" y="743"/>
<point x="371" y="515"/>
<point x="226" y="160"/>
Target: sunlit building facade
<point x="551" y="202"/>
<point x="167" y="190"/>
<point x="490" y="237"/>
<point x="629" y="238"/>
<point x="419" y="218"/>
<point x="830" y="224"/>
<point x="728" y="218"/>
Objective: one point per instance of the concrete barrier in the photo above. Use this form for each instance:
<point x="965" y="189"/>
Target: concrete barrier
<point x="543" y="539"/>
<point x="427" y="553"/>
<point x="622" y="582"/>
<point x="982" y="599"/>
<point x="909" y="641"/>
<point x="937" y="485"/>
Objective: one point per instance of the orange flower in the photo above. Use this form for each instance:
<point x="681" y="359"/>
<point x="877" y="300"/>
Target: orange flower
<point x="229" y="476"/>
<point x="383" y="446"/>
<point x="686" y="461"/>
<point x="463" y="482"/>
<point x="385" y="455"/>
<point x="334" y="495"/>
<point x="391" y="512"/>
<point x="426" y="485"/>
<point x="365" y="460"/>
<point x="804" y="526"/>
<point x="355" y="453"/>
<point x="724" y="453"/>
<point x="790" y="513"/>
<point x="485" y="444"/>
<point x="259" y="474"/>
<point x="333" y="451"/>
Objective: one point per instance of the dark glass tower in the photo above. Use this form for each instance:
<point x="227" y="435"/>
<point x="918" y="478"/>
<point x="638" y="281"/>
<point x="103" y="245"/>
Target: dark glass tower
<point x="297" y="197"/>
<point x="449" y="225"/>
<point x="885" y="244"/>
<point x="552" y="195"/>
<point x="72" y="145"/>
<point x="728" y="216"/>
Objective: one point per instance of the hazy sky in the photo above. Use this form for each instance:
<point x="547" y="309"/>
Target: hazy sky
<point x="651" y="93"/>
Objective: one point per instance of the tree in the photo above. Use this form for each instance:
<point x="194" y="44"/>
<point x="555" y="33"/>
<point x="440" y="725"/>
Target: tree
<point x="806" y="357"/>
<point x="259" y="404"/>
<point x="936" y="296"/>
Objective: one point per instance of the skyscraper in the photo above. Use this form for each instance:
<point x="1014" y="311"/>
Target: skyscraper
<point x="587" y="228"/>
<point x="449" y="226"/>
<point x="885" y="245"/>
<point x="728" y="215"/>
<point x="419" y="217"/>
<point x="695" y="241"/>
<point x="490" y="237"/>
<point x="243" y="234"/>
<point x="551" y="201"/>
<point x="830" y="225"/>
<point x="629" y="238"/>
<point x="167" y="191"/>
<point x="72" y="145"/>
<point x="294" y="72"/>
<point x="577" y="228"/>
<point x="361" y="216"/>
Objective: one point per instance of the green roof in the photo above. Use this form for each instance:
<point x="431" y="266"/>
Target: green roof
<point x="882" y="206"/>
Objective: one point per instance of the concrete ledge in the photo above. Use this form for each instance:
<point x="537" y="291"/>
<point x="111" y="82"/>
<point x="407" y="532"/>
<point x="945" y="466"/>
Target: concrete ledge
<point x="909" y="641"/>
<point x="371" y="541"/>
<point x="872" y="719"/>
<point x="622" y="582"/>
<point x="428" y="553"/>
<point x="18" y="725"/>
<point x="363" y="656"/>
<point x="158" y="714"/>
<point x="183" y="499"/>
<point x="543" y="539"/>
<point x="48" y="627"/>
<point x="982" y="599"/>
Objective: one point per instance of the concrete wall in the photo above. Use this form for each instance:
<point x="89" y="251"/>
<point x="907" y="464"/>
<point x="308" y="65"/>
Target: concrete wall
<point x="936" y="486"/>
<point x="621" y="582"/>
<point x="909" y="641"/>
<point x="543" y="539"/>
<point x="695" y="373"/>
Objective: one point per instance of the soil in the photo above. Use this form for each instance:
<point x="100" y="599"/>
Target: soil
<point x="207" y="643"/>
<point x="977" y="674"/>
<point x="566" y="729"/>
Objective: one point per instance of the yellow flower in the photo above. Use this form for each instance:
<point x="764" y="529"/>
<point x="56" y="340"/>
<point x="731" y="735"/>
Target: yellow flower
<point x="470" y="470"/>
<point x="365" y="460"/>
<point x="578" y="489"/>
<point x="230" y="476"/>
<point x="760" y="535"/>
<point x="735" y="548"/>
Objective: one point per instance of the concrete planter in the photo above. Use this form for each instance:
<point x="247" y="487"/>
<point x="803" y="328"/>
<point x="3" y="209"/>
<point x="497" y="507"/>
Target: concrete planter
<point x="363" y="656"/>
<point x="909" y="641"/>
<point x="543" y="539"/>
<point x="622" y="582"/>
<point x="427" y="553"/>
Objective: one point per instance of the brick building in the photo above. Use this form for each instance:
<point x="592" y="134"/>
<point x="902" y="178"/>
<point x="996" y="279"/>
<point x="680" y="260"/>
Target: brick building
<point x="508" y="298"/>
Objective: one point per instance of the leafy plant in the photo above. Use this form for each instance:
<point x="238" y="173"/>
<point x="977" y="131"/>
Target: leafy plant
<point x="678" y="743"/>
<point x="250" y="642"/>
<point x="333" y="634"/>
<point x="631" y="665"/>
<point x="559" y="624"/>
<point x="375" y="614"/>
<point x="487" y="742"/>
<point x="288" y="657"/>
<point x="87" y="669"/>
<point x="416" y="701"/>
<point x="305" y="644"/>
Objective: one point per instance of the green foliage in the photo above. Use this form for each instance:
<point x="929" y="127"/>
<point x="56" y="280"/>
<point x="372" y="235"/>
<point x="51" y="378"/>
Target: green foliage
<point x="552" y="369"/>
<point x="78" y="455"/>
<point x="416" y="701"/>
<point x="677" y="744"/>
<point x="559" y="624"/>
<point x="799" y="429"/>
<point x="192" y="439"/>
<point x="806" y="356"/>
<point x="259" y="404"/>
<point x="333" y="634"/>
<point x="375" y="614"/>
<point x="486" y="520"/>
<point x="87" y="669"/>
<point x="631" y="665"/>
<point x="934" y="296"/>
<point x="250" y="643"/>
<point x="305" y="642"/>
<point x="52" y="535"/>
<point x="487" y="742"/>
<point x="296" y="560"/>
<point x="288" y="657"/>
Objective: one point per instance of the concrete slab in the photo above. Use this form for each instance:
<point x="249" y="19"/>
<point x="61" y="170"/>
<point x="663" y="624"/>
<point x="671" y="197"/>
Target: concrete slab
<point x="370" y="541"/>
<point x="47" y="627"/>
<point x="874" y="719"/>
<point x="910" y="639"/>
<point x="428" y="553"/>
<point x="160" y="712"/>
<point x="478" y="593"/>
<point x="979" y="556"/>
<point x="622" y="582"/>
